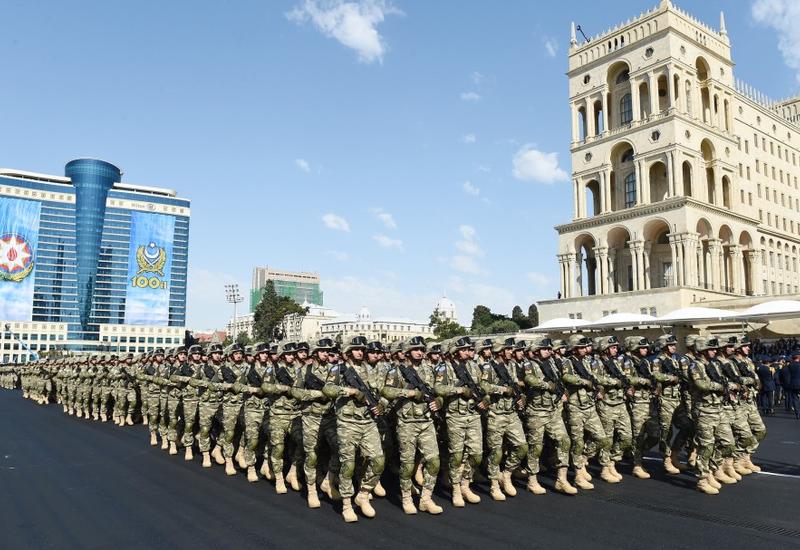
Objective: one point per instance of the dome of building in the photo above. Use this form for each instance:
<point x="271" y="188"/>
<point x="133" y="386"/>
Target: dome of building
<point x="364" y="314"/>
<point x="446" y="308"/>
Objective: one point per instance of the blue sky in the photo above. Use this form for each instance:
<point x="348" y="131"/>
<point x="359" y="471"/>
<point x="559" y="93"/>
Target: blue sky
<point x="374" y="142"/>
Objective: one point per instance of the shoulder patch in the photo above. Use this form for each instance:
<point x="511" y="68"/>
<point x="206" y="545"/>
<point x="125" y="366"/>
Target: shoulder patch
<point x="333" y="369"/>
<point x="441" y="368"/>
<point x="269" y="370"/>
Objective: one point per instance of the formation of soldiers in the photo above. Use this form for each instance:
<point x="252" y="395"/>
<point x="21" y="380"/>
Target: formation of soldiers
<point x="428" y="411"/>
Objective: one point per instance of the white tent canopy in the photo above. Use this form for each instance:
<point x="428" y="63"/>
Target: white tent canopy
<point x="694" y="315"/>
<point x="622" y="320"/>
<point x="560" y="324"/>
<point x="776" y="309"/>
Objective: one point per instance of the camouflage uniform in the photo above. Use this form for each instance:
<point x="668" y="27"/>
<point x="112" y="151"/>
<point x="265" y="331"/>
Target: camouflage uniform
<point x="644" y="415"/>
<point x="753" y="385"/>
<point x="207" y="381"/>
<point x="190" y="396"/>
<point x="671" y="405"/>
<point x="253" y="411"/>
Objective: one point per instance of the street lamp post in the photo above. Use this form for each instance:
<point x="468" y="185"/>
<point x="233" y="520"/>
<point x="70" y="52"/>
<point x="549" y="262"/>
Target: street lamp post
<point x="233" y="297"/>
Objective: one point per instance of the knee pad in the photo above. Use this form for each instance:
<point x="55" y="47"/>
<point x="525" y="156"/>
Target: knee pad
<point x="536" y="450"/>
<point x="625" y="444"/>
<point x="311" y="459"/>
<point x="604" y="443"/>
<point x="760" y="435"/>
<point x="276" y="450"/>
<point x="496" y="456"/>
<point x="455" y="460"/>
<point x="577" y="447"/>
<point x="406" y="470"/>
<point x="348" y="467"/>
<point x="432" y="466"/>
<point x="522" y="451"/>
<point x="564" y="445"/>
<point x="378" y="463"/>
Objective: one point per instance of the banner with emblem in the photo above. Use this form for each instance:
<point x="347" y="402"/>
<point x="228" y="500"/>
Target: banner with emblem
<point x="149" y="269"/>
<point x="19" y="238"/>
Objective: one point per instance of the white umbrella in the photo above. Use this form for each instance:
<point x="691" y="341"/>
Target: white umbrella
<point x="775" y="309"/>
<point x="695" y="314"/>
<point x="622" y="320"/>
<point x="560" y="324"/>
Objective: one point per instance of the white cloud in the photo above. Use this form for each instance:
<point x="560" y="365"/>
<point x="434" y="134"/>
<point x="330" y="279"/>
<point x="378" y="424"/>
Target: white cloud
<point x="784" y="17"/>
<point x="550" y="46"/>
<point x="338" y="255"/>
<point x="531" y="164"/>
<point x="476" y="78"/>
<point x="538" y="279"/>
<point x="483" y="168"/>
<point x="354" y="24"/>
<point x="205" y="299"/>
<point x="469" y="138"/>
<point x="385" y="218"/>
<point x="470" y="189"/>
<point x="387" y="242"/>
<point x="302" y="164"/>
<point x="470" y="96"/>
<point x="466" y="264"/>
<point x="467" y="232"/>
<point x="349" y="293"/>
<point x="338" y="223"/>
<point x="469" y="247"/>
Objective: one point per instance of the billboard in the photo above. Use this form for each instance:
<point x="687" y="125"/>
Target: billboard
<point x="149" y="268"/>
<point x="19" y="238"/>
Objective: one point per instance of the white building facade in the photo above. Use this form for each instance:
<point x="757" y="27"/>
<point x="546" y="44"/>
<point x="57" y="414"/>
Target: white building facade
<point x="684" y="179"/>
<point x="386" y="330"/>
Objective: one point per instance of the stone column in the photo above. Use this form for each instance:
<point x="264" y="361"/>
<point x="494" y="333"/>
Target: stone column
<point x="714" y="250"/>
<point x="653" y="93"/>
<point x="671" y="179"/>
<point x="637" y="115"/>
<point x="756" y="257"/>
<point x="562" y="283"/>
<point x="605" y="110"/>
<point x="737" y="268"/>
<point x="601" y="255"/>
<point x="603" y="194"/>
<point x="638" y="169"/>
<point x="648" y="275"/>
<point x="673" y="245"/>
<point x="612" y="260"/>
<point x="645" y="183"/>
<point x="701" y="266"/>
<point x="670" y="89"/>
<point x="636" y="248"/>
<point x="577" y="275"/>
<point x="589" y="105"/>
<point x="718" y="200"/>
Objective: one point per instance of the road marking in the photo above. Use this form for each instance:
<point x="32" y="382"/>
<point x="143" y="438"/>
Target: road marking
<point x="655" y="459"/>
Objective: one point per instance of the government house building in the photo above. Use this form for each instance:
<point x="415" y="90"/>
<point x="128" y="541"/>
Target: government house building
<point x="684" y="178"/>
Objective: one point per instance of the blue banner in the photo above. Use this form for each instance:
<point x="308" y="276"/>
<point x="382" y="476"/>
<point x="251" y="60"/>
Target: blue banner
<point x="19" y="239"/>
<point x="149" y="269"/>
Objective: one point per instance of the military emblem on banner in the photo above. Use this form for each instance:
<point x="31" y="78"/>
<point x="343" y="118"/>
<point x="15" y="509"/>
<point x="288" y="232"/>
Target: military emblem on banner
<point x="16" y="258"/>
<point x="150" y="258"/>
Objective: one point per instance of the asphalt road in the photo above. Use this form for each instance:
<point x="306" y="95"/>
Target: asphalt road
<point x="72" y="483"/>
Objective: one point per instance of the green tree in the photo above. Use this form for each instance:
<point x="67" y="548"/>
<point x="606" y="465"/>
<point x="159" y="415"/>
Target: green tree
<point x="533" y="315"/>
<point x="268" y="318"/>
<point x="444" y="328"/>
<point x="518" y="317"/>
<point x="243" y="339"/>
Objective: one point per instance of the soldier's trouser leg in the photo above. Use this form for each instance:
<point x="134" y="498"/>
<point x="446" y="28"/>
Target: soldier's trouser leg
<point x="756" y="424"/>
<point x="711" y="431"/>
<point x="311" y="441"/>
<point x="96" y="392"/>
<point x="173" y="408"/>
<point x="279" y="427"/>
<point x="536" y="426"/>
<point x="354" y="437"/>
<point x="206" y="410"/>
<point x="153" y="412"/>
<point x="583" y="422"/>
<point x="230" y="416"/>
<point x="253" y="418"/>
<point x="189" y="421"/>
<point x="746" y="442"/>
<point x="410" y="437"/>
<point x="685" y="424"/>
<point x="105" y="399"/>
<point x="85" y="393"/>
<point x="666" y="414"/>
<point x="145" y="405"/>
<point x="464" y="446"/>
<point x="132" y="401"/>
<point x="645" y="427"/>
<point x="508" y="427"/>
<point x="162" y="407"/>
<point x="328" y="430"/>
<point x="617" y="427"/>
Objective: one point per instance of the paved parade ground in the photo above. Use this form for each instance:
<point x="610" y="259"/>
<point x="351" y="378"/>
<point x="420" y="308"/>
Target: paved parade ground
<point x="71" y="483"/>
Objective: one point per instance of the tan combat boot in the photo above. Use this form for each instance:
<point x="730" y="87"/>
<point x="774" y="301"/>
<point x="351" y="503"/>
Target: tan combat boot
<point x="562" y="483"/>
<point x="458" y="498"/>
<point x="129" y="420"/>
<point x="325" y="486"/>
<point x="103" y="417"/>
<point x="206" y="459"/>
<point x="266" y="469"/>
<point x="713" y="482"/>
<point x="640" y="472"/>
<point x="379" y="491"/>
<point x="722" y="477"/>
<point x="348" y="513"/>
<point x="507" y="485"/>
<point x="252" y="475"/>
<point x="534" y="487"/>
<point x="468" y="494"/>
<point x="144" y="420"/>
<point x="669" y="465"/>
<point x="237" y="456"/>
<point x="607" y="475"/>
<point x="692" y="459"/>
<point x="164" y="443"/>
<point x="313" y="499"/>
<point x="427" y="504"/>
<point x="407" y="503"/>
<point x="153" y="439"/>
<point x="495" y="491"/>
<point x="753" y="467"/>
<point x="230" y="469"/>
<point x="613" y="467"/>
<point x="173" y="448"/>
<point x="216" y="454"/>
<point x="704" y="487"/>
<point x="362" y="501"/>
<point x="188" y="454"/>
<point x="740" y="467"/>
<point x="580" y="480"/>
<point x="333" y="490"/>
<point x="291" y="478"/>
<point x="95" y="416"/>
<point x="727" y="465"/>
<point x="280" y="485"/>
<point x="79" y="413"/>
<point x="419" y="476"/>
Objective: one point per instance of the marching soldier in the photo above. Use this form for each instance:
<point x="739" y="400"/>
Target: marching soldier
<point x="190" y="397"/>
<point x="752" y="384"/>
<point x="208" y="406"/>
<point x="640" y="401"/>
<point x="668" y="374"/>
<point x="612" y="409"/>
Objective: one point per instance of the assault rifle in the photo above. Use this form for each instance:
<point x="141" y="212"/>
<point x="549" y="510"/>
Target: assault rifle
<point x="352" y="379"/>
<point x="411" y="376"/>
<point x="465" y="378"/>
<point x="723" y="381"/>
<point x="253" y="378"/>
<point x="580" y="369"/>
<point x="283" y="376"/>
<point x="313" y="382"/>
<point x="506" y="380"/>
<point x="616" y="373"/>
<point x="552" y="377"/>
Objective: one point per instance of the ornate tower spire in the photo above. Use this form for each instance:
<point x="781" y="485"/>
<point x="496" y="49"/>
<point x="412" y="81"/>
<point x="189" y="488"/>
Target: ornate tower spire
<point x="722" y="30"/>
<point x="572" y="40"/>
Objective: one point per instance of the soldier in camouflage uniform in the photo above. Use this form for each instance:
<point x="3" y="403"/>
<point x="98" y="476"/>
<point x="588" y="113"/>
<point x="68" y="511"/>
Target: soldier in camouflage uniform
<point x="545" y="398"/>
<point x="356" y="426"/>
<point x="409" y="386"/>
<point x="190" y="398"/>
<point x="254" y="406"/>
<point x="752" y="384"/>
<point x="583" y="420"/>
<point x="503" y="425"/>
<point x="737" y="413"/>
<point x="171" y="406"/>
<point x="667" y="372"/>
<point x="151" y="376"/>
<point x="609" y="370"/>
<point x="644" y="415"/>
<point x="209" y="402"/>
<point x="284" y="416"/>
<point x="708" y="396"/>
<point x="318" y="421"/>
<point x="106" y="387"/>
<point x="231" y="371"/>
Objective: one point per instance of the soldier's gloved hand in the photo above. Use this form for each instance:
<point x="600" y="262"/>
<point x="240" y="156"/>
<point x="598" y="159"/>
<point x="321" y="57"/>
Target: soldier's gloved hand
<point x="282" y="388"/>
<point x="550" y="386"/>
<point x="463" y="390"/>
<point x="507" y="391"/>
<point x="253" y="390"/>
<point x="587" y="383"/>
<point x="351" y="392"/>
<point x="412" y="394"/>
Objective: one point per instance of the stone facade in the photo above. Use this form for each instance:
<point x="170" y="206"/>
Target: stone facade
<point x="684" y="180"/>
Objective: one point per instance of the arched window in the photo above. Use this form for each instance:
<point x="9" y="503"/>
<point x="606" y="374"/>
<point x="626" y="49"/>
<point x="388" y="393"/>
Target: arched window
<point x="625" y="109"/>
<point x="624" y="76"/>
<point x="630" y="190"/>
